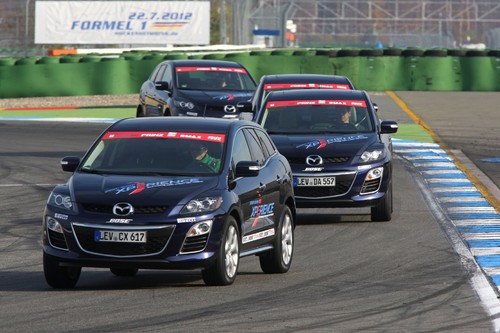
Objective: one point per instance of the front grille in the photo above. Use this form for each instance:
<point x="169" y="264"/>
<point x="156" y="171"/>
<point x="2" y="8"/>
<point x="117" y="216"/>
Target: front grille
<point x="57" y="239"/>
<point x="371" y="186"/>
<point x="326" y="160"/>
<point x="194" y="244"/>
<point x="108" y="209"/>
<point x="342" y="185"/>
<point x="157" y="239"/>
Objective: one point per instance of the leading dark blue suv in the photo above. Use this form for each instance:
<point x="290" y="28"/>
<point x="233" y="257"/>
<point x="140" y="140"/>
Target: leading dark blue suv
<point x="171" y="193"/>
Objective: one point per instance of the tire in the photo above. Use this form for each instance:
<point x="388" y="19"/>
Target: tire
<point x="412" y="52"/>
<point x="392" y="52"/>
<point x="456" y="52"/>
<point x="59" y="276"/>
<point x="476" y="53"/>
<point x="435" y="53"/>
<point x="382" y="212"/>
<point x="279" y="259"/>
<point x="223" y="271"/>
<point x="371" y="52"/>
<point x="348" y="53"/>
<point x="124" y="271"/>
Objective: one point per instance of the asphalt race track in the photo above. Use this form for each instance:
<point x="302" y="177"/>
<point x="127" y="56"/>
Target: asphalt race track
<point x="347" y="275"/>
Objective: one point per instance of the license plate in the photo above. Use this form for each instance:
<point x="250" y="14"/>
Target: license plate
<point x="120" y="236"/>
<point x="314" y="181"/>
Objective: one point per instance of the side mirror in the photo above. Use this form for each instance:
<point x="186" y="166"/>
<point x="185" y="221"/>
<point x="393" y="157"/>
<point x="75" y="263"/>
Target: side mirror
<point x="70" y="163"/>
<point x="388" y="126"/>
<point x="247" y="169"/>
<point x="162" y="85"/>
<point x="375" y="106"/>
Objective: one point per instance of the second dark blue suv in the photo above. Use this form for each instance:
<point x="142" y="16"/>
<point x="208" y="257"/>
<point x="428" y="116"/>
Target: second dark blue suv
<point x="339" y="150"/>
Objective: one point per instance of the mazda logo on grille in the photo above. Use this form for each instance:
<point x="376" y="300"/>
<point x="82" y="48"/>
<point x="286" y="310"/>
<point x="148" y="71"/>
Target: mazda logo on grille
<point x="230" y="108"/>
<point x="123" y="209"/>
<point x="314" y="160"/>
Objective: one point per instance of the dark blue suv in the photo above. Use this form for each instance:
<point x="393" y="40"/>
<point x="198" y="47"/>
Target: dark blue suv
<point x="196" y="88"/>
<point x="171" y="193"/>
<point x="339" y="150"/>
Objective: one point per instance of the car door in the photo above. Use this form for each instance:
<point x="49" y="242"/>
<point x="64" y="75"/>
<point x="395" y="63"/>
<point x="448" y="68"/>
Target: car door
<point x="157" y="94"/>
<point x="249" y="192"/>
<point x="259" y="225"/>
<point x="148" y="90"/>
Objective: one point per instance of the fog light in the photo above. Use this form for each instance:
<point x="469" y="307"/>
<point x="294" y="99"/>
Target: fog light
<point x="374" y="173"/>
<point x="54" y="225"/>
<point x="200" y="228"/>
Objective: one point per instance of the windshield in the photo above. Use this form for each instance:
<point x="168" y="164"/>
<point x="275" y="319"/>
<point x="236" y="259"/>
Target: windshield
<point x="321" y="116"/>
<point x="156" y="153"/>
<point x="213" y="78"/>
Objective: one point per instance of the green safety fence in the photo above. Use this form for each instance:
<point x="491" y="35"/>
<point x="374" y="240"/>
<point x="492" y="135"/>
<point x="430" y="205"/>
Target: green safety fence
<point x="368" y="69"/>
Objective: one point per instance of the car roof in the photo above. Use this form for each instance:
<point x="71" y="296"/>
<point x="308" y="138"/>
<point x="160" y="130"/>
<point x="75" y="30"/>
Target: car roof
<point x="308" y="94"/>
<point x="184" y="124"/>
<point x="305" y="78"/>
<point x="204" y="62"/>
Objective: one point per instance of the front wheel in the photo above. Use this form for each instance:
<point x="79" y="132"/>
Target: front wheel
<point x="59" y="276"/>
<point x="223" y="271"/>
<point x="382" y="212"/>
<point x="279" y="259"/>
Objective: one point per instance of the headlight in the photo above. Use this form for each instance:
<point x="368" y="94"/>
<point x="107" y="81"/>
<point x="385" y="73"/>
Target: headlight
<point x="200" y="228"/>
<point x="54" y="225"/>
<point x="184" y="105"/>
<point x="61" y="201"/>
<point x="374" y="174"/>
<point x="372" y="155"/>
<point x="202" y="205"/>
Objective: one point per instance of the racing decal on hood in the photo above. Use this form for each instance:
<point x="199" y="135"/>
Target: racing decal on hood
<point x="138" y="187"/>
<point x="322" y="143"/>
<point x="226" y="97"/>
<point x="230" y="97"/>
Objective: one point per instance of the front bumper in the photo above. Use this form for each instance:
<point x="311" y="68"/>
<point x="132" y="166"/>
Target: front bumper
<point x="351" y="189"/>
<point x="166" y="247"/>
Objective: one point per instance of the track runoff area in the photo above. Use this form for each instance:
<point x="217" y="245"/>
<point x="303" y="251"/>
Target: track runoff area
<point x="466" y="210"/>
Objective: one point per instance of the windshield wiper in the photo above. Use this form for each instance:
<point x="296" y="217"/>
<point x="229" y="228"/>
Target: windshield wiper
<point x="286" y="133"/>
<point x="94" y="171"/>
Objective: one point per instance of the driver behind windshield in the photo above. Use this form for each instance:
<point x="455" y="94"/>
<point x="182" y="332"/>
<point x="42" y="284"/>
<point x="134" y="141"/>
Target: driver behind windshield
<point x="199" y="152"/>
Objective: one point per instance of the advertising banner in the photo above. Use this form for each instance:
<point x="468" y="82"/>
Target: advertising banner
<point x="122" y="22"/>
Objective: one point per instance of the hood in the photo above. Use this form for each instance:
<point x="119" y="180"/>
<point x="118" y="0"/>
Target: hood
<point x="138" y="190"/>
<point x="325" y="145"/>
<point x="216" y="97"/>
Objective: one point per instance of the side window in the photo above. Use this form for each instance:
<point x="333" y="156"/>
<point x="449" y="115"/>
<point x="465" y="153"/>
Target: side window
<point x="154" y="73"/>
<point x="241" y="151"/>
<point x="167" y="74"/>
<point x="255" y="147"/>
<point x="266" y="142"/>
<point x="159" y="72"/>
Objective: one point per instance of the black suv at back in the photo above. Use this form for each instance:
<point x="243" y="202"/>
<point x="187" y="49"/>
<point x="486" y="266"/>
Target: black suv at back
<point x="197" y="88"/>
